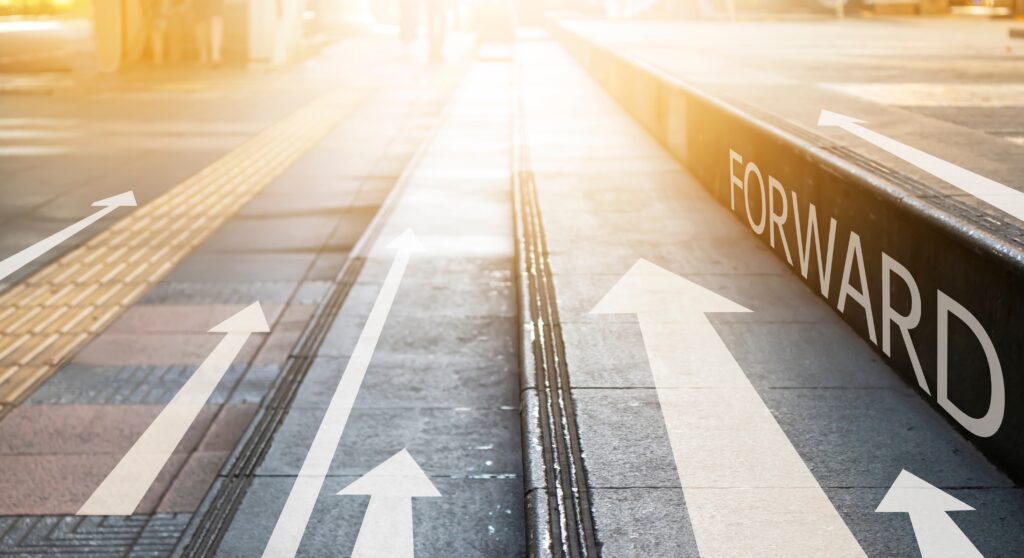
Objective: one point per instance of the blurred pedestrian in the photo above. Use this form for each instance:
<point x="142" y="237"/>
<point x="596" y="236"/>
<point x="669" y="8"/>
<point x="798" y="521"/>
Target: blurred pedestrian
<point x="209" y="16"/>
<point x="155" y="15"/>
<point x="409" y="20"/>
<point x="437" y="19"/>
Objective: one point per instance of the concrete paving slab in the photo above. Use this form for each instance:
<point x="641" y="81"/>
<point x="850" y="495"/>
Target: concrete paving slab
<point x="472" y="518"/>
<point x="92" y="384"/>
<point x="447" y="383"/>
<point x="202" y="267"/>
<point x="657" y="519"/>
<point x="623" y="439"/>
<point x="180" y="318"/>
<point x="459" y="442"/>
<point x="118" y="349"/>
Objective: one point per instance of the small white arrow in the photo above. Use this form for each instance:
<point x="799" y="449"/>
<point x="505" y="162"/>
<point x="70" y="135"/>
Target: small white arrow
<point x="747" y="491"/>
<point x="291" y="524"/>
<point x="938" y="536"/>
<point x="123" y="489"/>
<point x="19" y="260"/>
<point x="989" y="191"/>
<point x="387" y="525"/>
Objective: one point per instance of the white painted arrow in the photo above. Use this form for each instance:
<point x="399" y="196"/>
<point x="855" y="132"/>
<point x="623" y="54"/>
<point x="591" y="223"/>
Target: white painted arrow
<point x="291" y="524"/>
<point x="989" y="191"/>
<point x="19" y="260"/>
<point x="938" y="536"/>
<point x="123" y="489"/>
<point x="747" y="491"/>
<point x="387" y="525"/>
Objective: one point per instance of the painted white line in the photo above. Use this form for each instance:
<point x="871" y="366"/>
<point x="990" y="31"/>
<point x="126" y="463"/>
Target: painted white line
<point x="989" y="191"/>
<point x="387" y="526"/>
<point x="291" y="524"/>
<point x="938" y="536"/>
<point x="19" y="260"/>
<point x="747" y="491"/>
<point x="123" y="489"/>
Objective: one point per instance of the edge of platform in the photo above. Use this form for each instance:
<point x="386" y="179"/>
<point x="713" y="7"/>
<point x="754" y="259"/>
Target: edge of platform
<point x="948" y="257"/>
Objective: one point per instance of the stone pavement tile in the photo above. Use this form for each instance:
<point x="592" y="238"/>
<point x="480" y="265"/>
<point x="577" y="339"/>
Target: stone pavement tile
<point x="472" y="518"/>
<point x="436" y="339"/>
<point x="350" y="227"/>
<point x="202" y="267"/>
<point x="276" y="234"/>
<point x="771" y="298"/>
<point x="121" y="349"/>
<point x="255" y="384"/>
<point x="863" y="437"/>
<point x="477" y="297"/>
<point x="311" y="186"/>
<point x="305" y="199"/>
<point x="227" y="428"/>
<point x="86" y="429"/>
<point x="285" y="333"/>
<point x="86" y="384"/>
<point x="181" y="318"/>
<point x="192" y="482"/>
<point x="327" y="265"/>
<point x="266" y="292"/>
<point x="642" y="522"/>
<point x="60" y="484"/>
<point x="606" y="355"/>
<point x="688" y="257"/>
<point x="135" y="536"/>
<point x="805" y="355"/>
<point x="445" y="441"/>
<point x="993" y="527"/>
<point x="623" y="438"/>
<point x="457" y="382"/>
<point x="311" y="293"/>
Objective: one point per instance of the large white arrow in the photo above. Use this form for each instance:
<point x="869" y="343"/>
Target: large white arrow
<point x="747" y="491"/>
<point x="387" y="525"/>
<point x="291" y="524"/>
<point x="123" y="489"/>
<point x="989" y="191"/>
<point x="937" y="534"/>
<point x="17" y="261"/>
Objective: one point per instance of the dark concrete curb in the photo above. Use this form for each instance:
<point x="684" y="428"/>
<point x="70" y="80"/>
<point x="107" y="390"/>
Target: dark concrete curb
<point x="936" y="256"/>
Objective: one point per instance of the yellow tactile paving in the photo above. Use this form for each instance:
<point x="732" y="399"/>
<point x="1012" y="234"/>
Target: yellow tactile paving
<point x="51" y="314"/>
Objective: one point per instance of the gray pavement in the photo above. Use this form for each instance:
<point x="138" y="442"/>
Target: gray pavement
<point x="611" y="195"/>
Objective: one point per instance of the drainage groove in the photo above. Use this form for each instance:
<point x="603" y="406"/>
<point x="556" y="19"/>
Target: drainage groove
<point x="560" y="519"/>
<point x="214" y="516"/>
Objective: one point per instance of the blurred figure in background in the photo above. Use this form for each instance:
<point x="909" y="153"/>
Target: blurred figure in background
<point x="155" y="15"/>
<point x="437" y="19"/>
<point x="209" y="16"/>
<point x="409" y="20"/>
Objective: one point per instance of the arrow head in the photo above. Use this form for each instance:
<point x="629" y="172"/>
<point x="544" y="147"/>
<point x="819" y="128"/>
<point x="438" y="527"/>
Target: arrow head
<point x="910" y="494"/>
<point x="126" y="199"/>
<point x="829" y="118"/>
<point x="250" y="320"/>
<point x="399" y="476"/>
<point x="407" y="241"/>
<point x="647" y="288"/>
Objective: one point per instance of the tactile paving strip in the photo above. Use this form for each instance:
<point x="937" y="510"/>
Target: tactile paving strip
<point x="50" y="315"/>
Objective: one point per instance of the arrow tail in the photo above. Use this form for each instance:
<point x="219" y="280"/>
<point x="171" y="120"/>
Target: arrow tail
<point x="998" y="195"/>
<point x="24" y="257"/>
<point x="386" y="529"/>
<point x="126" y="485"/>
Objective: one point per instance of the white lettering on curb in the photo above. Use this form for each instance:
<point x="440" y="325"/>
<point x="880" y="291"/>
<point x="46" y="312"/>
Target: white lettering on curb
<point x="774" y="216"/>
